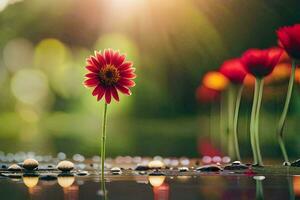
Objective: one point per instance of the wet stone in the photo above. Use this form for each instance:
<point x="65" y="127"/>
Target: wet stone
<point x="156" y="164"/>
<point x="156" y="173"/>
<point x="141" y="168"/>
<point x="82" y="173"/>
<point x="3" y="166"/>
<point x="209" y="168"/>
<point x="48" y="177"/>
<point x="116" y="171"/>
<point x="65" y="166"/>
<point x="296" y="163"/>
<point x="14" y="168"/>
<point x="183" y="169"/>
<point x="237" y="165"/>
<point x="30" y="164"/>
<point x="286" y="164"/>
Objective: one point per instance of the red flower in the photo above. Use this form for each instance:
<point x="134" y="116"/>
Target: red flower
<point x="207" y="95"/>
<point x="259" y="62"/>
<point x="234" y="70"/>
<point x="108" y="74"/>
<point x="289" y="39"/>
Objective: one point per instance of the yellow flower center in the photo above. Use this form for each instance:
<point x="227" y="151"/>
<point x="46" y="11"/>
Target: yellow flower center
<point x="109" y="75"/>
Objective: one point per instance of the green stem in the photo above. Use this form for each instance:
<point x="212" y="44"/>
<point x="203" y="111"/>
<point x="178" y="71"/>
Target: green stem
<point x="103" y="145"/>
<point x="284" y="113"/>
<point x="230" y="122"/>
<point x="235" y="122"/>
<point x="259" y="190"/>
<point x="252" y="124"/>
<point x="260" y="84"/>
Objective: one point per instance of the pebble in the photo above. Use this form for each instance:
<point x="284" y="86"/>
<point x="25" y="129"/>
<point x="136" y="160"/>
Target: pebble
<point x="141" y="168"/>
<point x="236" y="165"/>
<point x="116" y="171"/>
<point x="65" y="166"/>
<point x="82" y="173"/>
<point x="48" y="177"/>
<point x="30" y="164"/>
<point x="3" y="166"/>
<point x="286" y="164"/>
<point x="183" y="169"/>
<point x="14" y="168"/>
<point x="156" y="164"/>
<point x="209" y="168"/>
<point x="296" y="163"/>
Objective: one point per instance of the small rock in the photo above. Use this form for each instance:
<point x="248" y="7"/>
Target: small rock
<point x="209" y="168"/>
<point x="65" y="181"/>
<point x="30" y="164"/>
<point x="48" y="177"/>
<point x="236" y="165"/>
<point x="156" y="164"/>
<point x="183" y="169"/>
<point x="296" y="163"/>
<point x="237" y="162"/>
<point x="286" y="164"/>
<point x="141" y="168"/>
<point x="156" y="173"/>
<point x="14" y="168"/>
<point x="3" y="166"/>
<point x="82" y="173"/>
<point x="65" y="166"/>
<point x="116" y="171"/>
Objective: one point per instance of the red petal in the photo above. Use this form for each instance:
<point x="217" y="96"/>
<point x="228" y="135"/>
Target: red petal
<point x="91" y="82"/>
<point x="100" y="95"/>
<point x="128" y="75"/>
<point x="108" y="95"/>
<point x="92" y="69"/>
<point x="98" y="90"/>
<point x="123" y="89"/>
<point x="125" y="66"/>
<point x="126" y="82"/>
<point x="108" y="56"/>
<point x="119" y="60"/>
<point x="100" y="59"/>
<point x="114" y="93"/>
<point x="91" y="75"/>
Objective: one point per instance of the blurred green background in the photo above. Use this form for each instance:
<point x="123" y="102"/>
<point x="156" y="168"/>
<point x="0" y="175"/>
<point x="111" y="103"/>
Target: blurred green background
<point x="43" y="46"/>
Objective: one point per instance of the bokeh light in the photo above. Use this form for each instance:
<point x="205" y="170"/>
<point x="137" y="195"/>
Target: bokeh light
<point x="215" y="80"/>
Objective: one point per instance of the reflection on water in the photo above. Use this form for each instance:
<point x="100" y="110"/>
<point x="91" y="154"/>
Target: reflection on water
<point x="209" y="187"/>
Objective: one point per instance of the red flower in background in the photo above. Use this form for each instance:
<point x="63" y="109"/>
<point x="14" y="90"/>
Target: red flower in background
<point x="207" y="95"/>
<point x="289" y="39"/>
<point x="259" y="62"/>
<point x="109" y="73"/>
<point x="234" y="70"/>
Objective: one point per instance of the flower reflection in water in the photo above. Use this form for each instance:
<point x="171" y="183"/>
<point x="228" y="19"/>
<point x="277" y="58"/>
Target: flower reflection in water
<point x="160" y="189"/>
<point x="70" y="190"/>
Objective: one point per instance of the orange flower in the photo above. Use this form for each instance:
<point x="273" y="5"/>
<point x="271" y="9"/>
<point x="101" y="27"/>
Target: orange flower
<point x="215" y="80"/>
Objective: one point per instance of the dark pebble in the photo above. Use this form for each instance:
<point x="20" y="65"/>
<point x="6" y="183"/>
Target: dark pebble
<point x="296" y="163"/>
<point x="82" y="173"/>
<point x="156" y="173"/>
<point x="141" y="168"/>
<point x="236" y="166"/>
<point x="4" y="166"/>
<point x="48" y="177"/>
<point x="209" y="168"/>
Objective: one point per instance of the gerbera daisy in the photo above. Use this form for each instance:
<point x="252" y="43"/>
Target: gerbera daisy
<point x="109" y="73"/>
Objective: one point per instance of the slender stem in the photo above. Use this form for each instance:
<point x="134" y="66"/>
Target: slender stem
<point x="252" y="124"/>
<point x="103" y="145"/>
<point x="235" y="122"/>
<point x="260" y="84"/>
<point x="222" y="124"/>
<point x="284" y="113"/>
<point x="230" y="122"/>
<point x="259" y="190"/>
